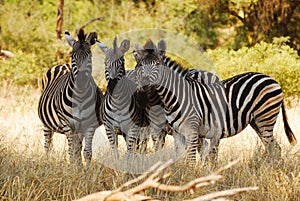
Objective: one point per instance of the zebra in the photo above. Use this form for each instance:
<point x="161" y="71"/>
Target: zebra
<point x="70" y="100"/>
<point x="200" y="76"/>
<point x="213" y="111"/>
<point x="121" y="115"/>
<point x="157" y="116"/>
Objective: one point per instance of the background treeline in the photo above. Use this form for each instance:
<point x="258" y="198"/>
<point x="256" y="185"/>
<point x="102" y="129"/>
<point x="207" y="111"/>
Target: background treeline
<point x="240" y="35"/>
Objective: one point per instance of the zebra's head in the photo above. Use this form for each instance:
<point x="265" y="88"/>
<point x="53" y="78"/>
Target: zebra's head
<point x="114" y="59"/>
<point x="149" y="62"/>
<point x="81" y="50"/>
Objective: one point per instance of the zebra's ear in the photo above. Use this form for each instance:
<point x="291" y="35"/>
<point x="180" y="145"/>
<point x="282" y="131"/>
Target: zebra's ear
<point x="138" y="51"/>
<point x="92" y="38"/>
<point x="162" y="46"/>
<point x="125" y="45"/>
<point x="102" y="46"/>
<point x="115" y="44"/>
<point x="69" y="39"/>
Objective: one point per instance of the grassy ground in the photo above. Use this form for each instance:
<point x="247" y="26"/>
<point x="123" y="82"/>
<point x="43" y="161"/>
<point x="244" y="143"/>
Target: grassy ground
<point x="26" y="174"/>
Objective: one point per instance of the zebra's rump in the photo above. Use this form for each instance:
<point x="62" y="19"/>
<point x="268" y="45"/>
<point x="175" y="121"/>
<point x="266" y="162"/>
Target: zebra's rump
<point x="251" y="97"/>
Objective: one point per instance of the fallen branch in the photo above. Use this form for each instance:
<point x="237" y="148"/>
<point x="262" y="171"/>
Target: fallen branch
<point x="152" y="180"/>
<point x="222" y="194"/>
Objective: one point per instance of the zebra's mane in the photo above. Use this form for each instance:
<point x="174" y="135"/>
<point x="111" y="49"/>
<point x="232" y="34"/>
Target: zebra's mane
<point x="173" y="65"/>
<point x="81" y="36"/>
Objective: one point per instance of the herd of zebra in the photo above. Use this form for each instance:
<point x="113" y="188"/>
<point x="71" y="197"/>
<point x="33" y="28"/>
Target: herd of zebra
<point x="157" y="98"/>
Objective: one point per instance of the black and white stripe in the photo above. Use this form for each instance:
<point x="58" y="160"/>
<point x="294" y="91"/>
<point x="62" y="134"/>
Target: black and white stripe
<point x="213" y="111"/>
<point x="157" y="116"/>
<point x="173" y="90"/>
<point x="121" y="112"/>
<point x="70" y="99"/>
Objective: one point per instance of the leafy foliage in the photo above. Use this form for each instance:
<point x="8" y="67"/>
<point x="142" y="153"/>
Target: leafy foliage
<point x="275" y="59"/>
<point x="21" y="69"/>
<point x="27" y="28"/>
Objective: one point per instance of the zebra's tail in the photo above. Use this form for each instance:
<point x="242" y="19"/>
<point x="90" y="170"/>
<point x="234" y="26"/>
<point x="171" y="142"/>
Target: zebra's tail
<point x="288" y="131"/>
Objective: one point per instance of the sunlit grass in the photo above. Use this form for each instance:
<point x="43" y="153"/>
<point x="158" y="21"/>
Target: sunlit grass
<point x="27" y="174"/>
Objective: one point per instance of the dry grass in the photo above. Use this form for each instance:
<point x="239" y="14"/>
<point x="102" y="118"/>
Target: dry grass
<point x="26" y="174"/>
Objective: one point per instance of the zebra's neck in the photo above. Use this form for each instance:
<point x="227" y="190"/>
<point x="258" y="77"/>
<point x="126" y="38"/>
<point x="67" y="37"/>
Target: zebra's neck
<point x="174" y="91"/>
<point x="120" y="87"/>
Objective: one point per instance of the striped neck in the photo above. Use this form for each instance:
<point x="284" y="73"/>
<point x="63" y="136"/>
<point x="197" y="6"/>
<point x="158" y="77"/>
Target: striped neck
<point x="173" y="87"/>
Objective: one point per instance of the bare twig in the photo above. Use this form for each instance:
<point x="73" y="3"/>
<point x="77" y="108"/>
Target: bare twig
<point x="157" y="168"/>
<point x="91" y="21"/>
<point x="152" y="180"/>
<point x="229" y="165"/>
<point x="221" y="194"/>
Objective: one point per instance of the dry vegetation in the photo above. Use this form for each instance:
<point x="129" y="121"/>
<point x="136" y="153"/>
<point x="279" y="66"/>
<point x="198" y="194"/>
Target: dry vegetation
<point x="26" y="174"/>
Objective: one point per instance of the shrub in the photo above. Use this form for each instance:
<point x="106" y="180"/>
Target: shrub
<point x="21" y="69"/>
<point x="275" y="59"/>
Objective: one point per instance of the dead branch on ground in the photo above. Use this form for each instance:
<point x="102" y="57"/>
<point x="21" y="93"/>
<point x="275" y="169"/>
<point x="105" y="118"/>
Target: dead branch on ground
<point x="152" y="180"/>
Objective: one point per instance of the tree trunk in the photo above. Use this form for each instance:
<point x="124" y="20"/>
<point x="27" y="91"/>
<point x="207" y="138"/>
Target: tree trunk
<point x="59" y="22"/>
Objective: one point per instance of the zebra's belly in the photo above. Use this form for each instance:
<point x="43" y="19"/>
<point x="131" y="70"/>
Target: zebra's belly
<point x="232" y="130"/>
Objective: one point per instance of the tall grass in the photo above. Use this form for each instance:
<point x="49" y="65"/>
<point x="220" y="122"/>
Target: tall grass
<point x="27" y="174"/>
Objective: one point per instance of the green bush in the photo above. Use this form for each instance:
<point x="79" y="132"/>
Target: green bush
<point x="275" y="59"/>
<point x="28" y="30"/>
<point x="22" y="69"/>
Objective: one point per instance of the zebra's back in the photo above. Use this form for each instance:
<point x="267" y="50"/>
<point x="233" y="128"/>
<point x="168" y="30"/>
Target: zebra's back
<point x="53" y="73"/>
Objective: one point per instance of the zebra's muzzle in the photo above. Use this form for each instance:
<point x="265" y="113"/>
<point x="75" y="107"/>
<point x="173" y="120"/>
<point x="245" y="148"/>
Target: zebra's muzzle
<point x="82" y="79"/>
<point x="144" y="82"/>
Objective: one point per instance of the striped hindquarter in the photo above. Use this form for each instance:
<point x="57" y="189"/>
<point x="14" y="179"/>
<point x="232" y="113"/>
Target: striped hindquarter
<point x="70" y="100"/>
<point x="229" y="106"/>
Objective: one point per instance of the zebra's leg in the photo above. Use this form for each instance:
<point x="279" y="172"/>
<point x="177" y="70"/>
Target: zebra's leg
<point x="213" y="153"/>
<point x="87" y="152"/>
<point x="159" y="142"/>
<point x="204" y="148"/>
<point x="190" y="131"/>
<point x="48" y="134"/>
<point x="159" y="126"/>
<point x="159" y="136"/>
<point x="78" y="149"/>
<point x="179" y="142"/>
<point x="132" y="139"/>
<point x="142" y="140"/>
<point x="75" y="146"/>
<point x="112" y="135"/>
<point x="272" y="148"/>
